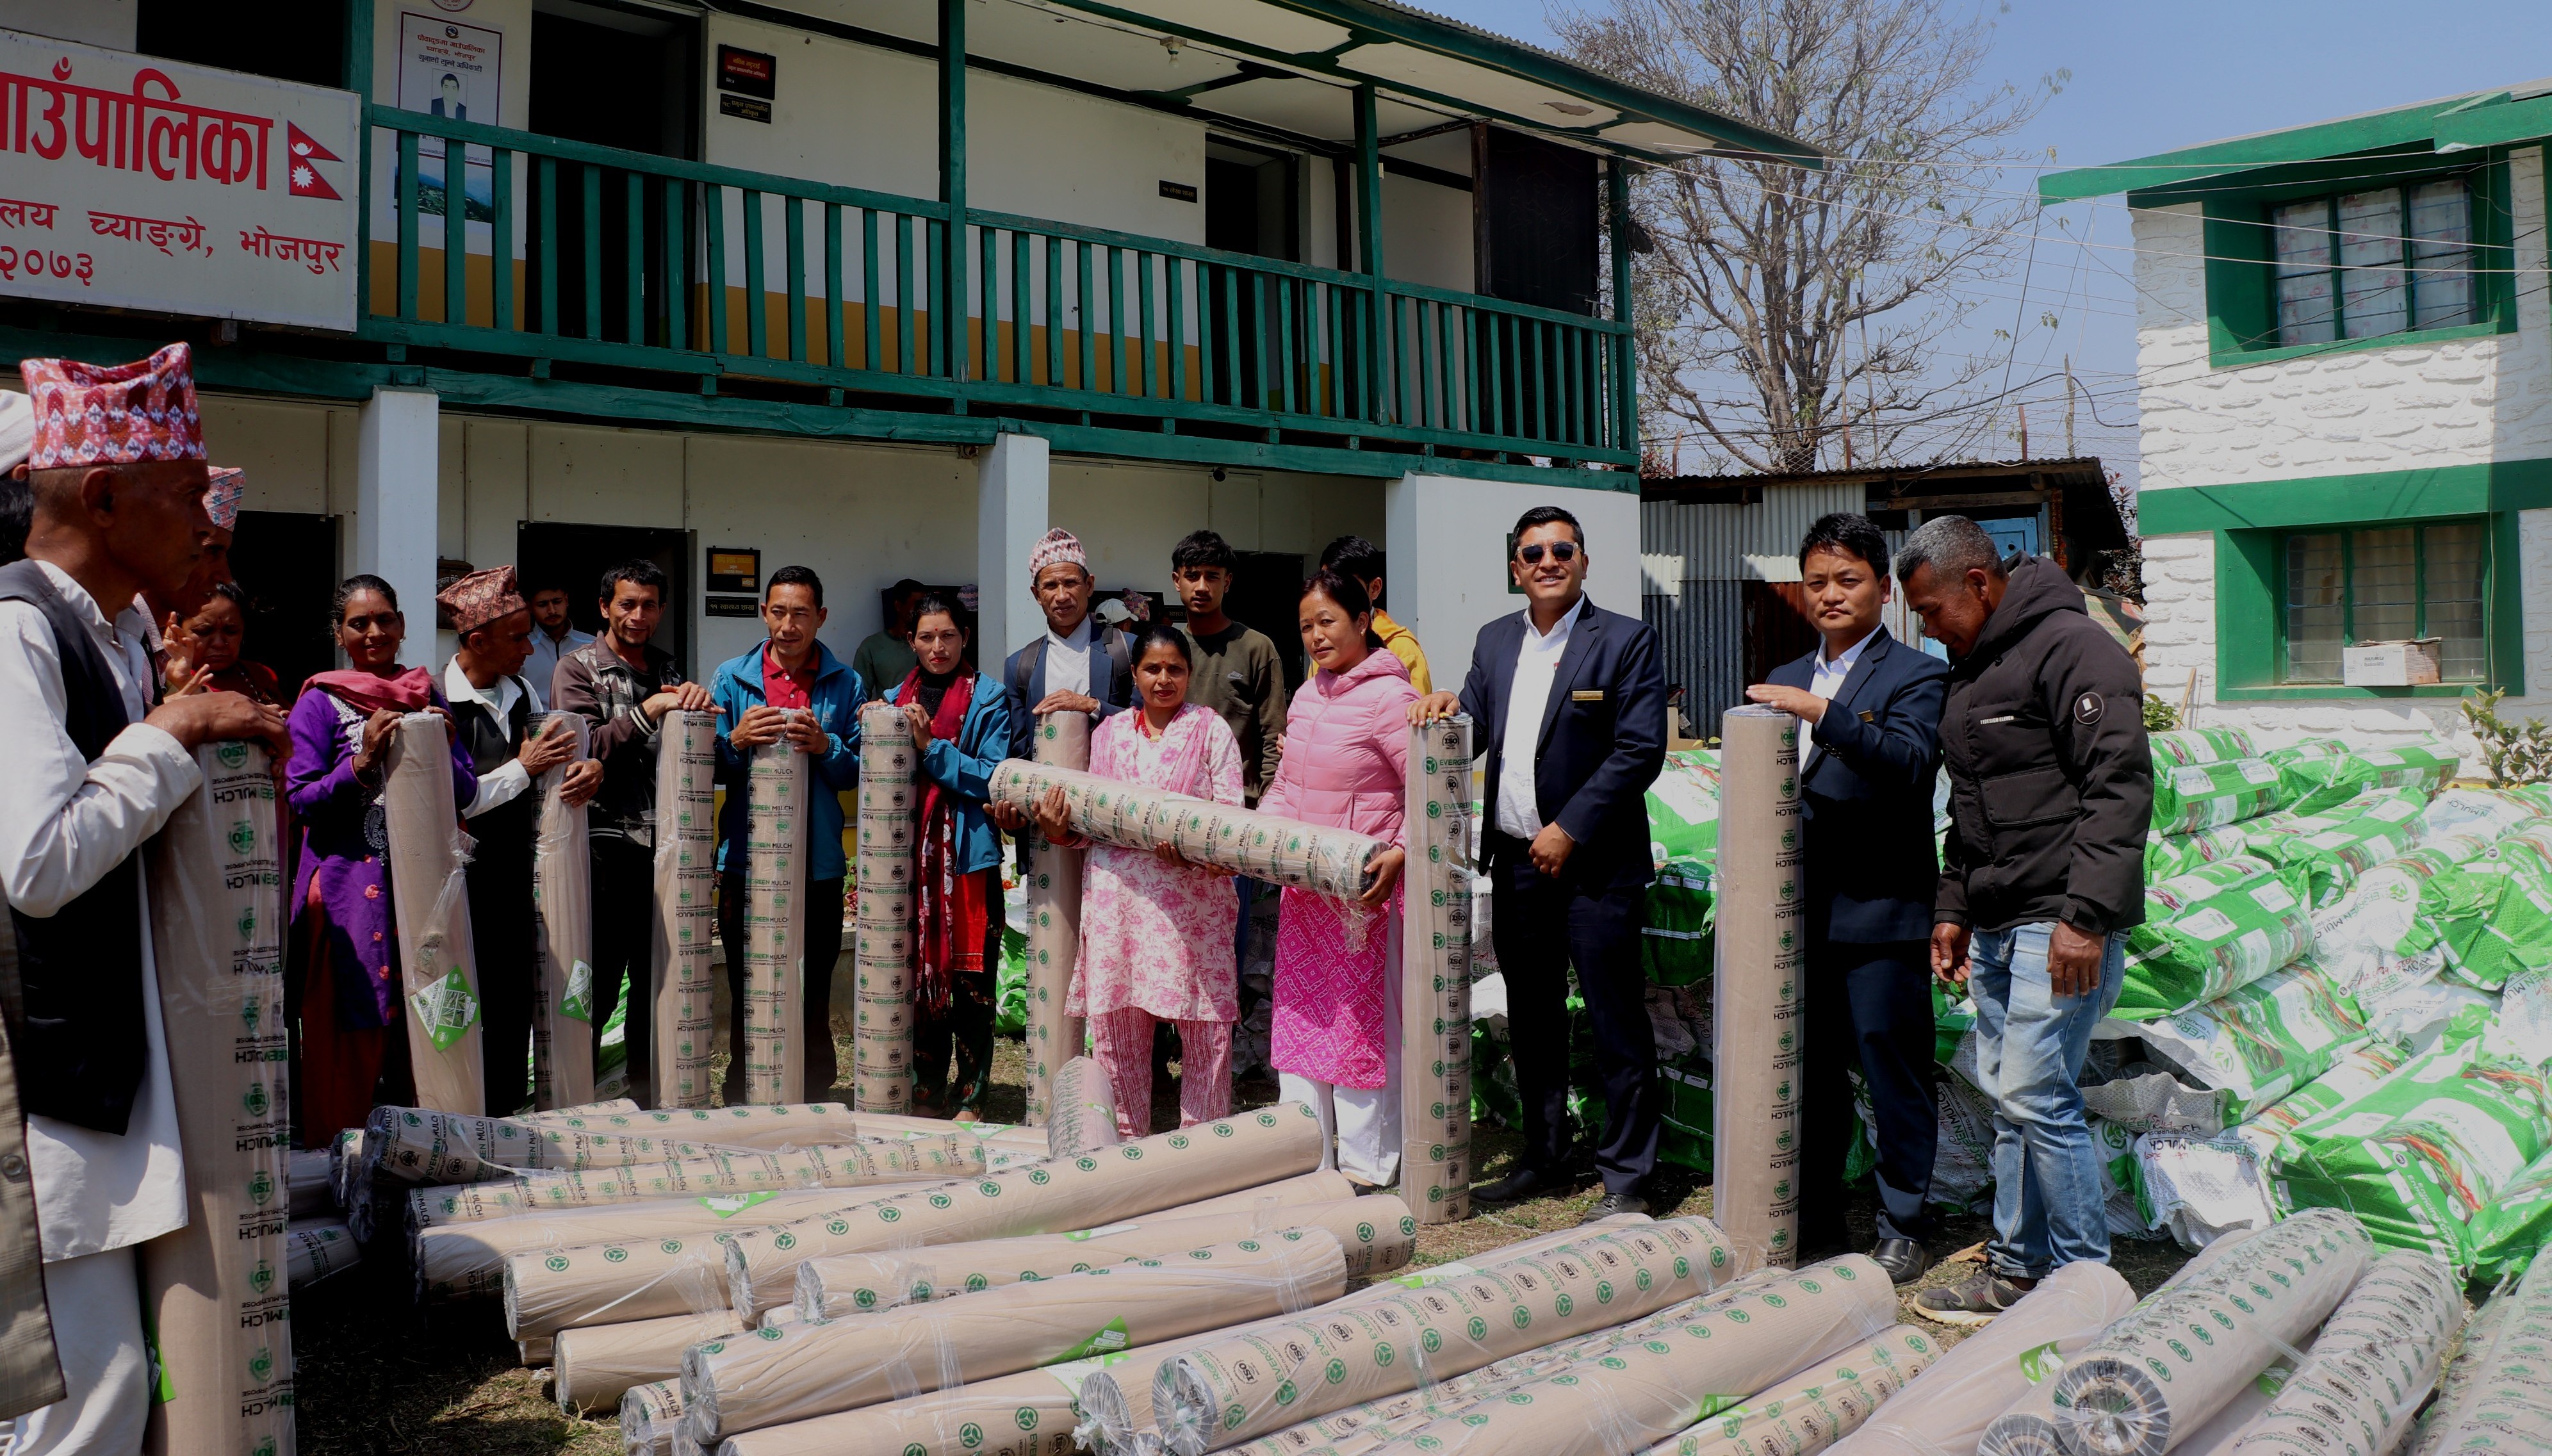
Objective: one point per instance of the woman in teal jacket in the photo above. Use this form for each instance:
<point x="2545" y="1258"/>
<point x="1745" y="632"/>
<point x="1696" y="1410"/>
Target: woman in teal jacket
<point x="962" y="724"/>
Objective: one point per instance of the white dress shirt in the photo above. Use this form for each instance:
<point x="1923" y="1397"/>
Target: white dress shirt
<point x="65" y="822"/>
<point x="1519" y="809"/>
<point x="1067" y="661"/>
<point x="1825" y="679"/>
<point x="541" y="668"/>
<point x="506" y="784"/>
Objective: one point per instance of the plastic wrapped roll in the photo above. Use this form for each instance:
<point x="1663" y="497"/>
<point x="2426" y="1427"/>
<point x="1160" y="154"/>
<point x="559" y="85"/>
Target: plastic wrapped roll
<point x="467" y="1260"/>
<point x="345" y="1156"/>
<point x="1030" y="1414"/>
<point x="1949" y="1406"/>
<point x="562" y="914"/>
<point x="651" y="1418"/>
<point x="1435" y="1000"/>
<point x="810" y="1370"/>
<point x="306" y="1174"/>
<point x="1810" y="1411"/>
<point x="415" y="1145"/>
<point x="212" y="1289"/>
<point x="430" y="899"/>
<point x="1239" y="1388"/>
<point x="641" y="1281"/>
<point x="1241" y="841"/>
<point x="2496" y="1398"/>
<point x="774" y="1053"/>
<point x="726" y="1173"/>
<point x="596" y="1366"/>
<point x="1376" y="1234"/>
<point x="1081" y="1115"/>
<point x="883" y="939"/>
<point x="2267" y="1293"/>
<point x="1054" y="931"/>
<point x="1761" y="951"/>
<point x="683" y="975"/>
<point x="755" y="1125"/>
<point x="315" y="1248"/>
<point x="603" y="1109"/>
<point x="1008" y="1136"/>
<point x="2372" y="1364"/>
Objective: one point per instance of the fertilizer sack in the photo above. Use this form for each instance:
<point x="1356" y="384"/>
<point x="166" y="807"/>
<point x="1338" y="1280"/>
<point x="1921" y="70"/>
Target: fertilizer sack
<point x="2208" y="932"/>
<point x="2321" y="771"/>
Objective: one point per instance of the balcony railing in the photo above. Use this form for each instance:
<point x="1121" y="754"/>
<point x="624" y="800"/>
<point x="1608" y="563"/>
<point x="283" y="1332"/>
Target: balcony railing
<point x="591" y="255"/>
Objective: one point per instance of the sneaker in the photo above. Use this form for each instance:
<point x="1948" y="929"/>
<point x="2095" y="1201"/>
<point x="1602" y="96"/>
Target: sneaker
<point x="1613" y="1205"/>
<point x="1975" y="1301"/>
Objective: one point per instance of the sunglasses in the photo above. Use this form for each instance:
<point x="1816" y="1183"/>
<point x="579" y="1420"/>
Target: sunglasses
<point x="1560" y="551"/>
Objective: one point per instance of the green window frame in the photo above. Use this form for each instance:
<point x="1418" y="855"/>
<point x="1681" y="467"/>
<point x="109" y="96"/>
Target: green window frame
<point x="2373" y="261"/>
<point x="2342" y="586"/>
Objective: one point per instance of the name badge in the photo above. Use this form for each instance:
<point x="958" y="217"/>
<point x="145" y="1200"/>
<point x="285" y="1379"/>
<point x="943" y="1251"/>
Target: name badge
<point x="1868" y="716"/>
<point x="1586" y="695"/>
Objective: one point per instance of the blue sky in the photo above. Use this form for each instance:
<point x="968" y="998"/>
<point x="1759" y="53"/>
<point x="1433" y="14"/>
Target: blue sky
<point x="2159" y="74"/>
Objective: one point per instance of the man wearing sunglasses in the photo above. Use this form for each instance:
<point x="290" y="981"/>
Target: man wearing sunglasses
<point x="1568" y="710"/>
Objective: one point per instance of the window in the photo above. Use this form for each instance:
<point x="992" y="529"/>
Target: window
<point x="2363" y="265"/>
<point x="2383" y="584"/>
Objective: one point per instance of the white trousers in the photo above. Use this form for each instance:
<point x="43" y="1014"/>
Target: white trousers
<point x="97" y="1335"/>
<point x="1359" y="1125"/>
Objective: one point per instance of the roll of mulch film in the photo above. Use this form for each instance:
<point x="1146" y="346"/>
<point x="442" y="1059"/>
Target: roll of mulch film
<point x="1810" y="1411"/>
<point x="563" y="902"/>
<point x="1030" y="1414"/>
<point x="315" y="1248"/>
<point x="1227" y="1392"/>
<point x="1054" y="929"/>
<point x="1081" y="1112"/>
<point x="467" y="1260"/>
<point x="306" y="1175"/>
<point x="760" y="1126"/>
<point x="414" y="1145"/>
<point x="1949" y="1406"/>
<point x="429" y="895"/>
<point x="217" y="1291"/>
<point x="2127" y="1393"/>
<point x="882" y="938"/>
<point x="818" y="1369"/>
<point x="651" y="1416"/>
<point x="1436" y="978"/>
<point x="2495" y="1398"/>
<point x="725" y="1172"/>
<point x="682" y="973"/>
<point x="2373" y="1362"/>
<point x="774" y="1053"/>
<point x="1376" y="1234"/>
<point x="596" y="1366"/>
<point x="1267" y="847"/>
<point x="1762" y="947"/>
<point x="641" y="1278"/>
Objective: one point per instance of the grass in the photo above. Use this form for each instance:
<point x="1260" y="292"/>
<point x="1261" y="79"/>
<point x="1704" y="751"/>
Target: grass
<point x="381" y="1377"/>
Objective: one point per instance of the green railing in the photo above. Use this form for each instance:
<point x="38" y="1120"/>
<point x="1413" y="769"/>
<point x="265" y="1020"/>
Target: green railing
<point x="599" y="255"/>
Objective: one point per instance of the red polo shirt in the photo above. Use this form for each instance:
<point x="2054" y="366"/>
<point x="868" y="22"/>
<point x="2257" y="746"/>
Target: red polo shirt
<point x="782" y="688"/>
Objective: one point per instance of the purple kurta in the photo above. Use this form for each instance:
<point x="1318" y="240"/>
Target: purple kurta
<point x="330" y="804"/>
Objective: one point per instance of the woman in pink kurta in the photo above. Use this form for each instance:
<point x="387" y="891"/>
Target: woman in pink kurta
<point x="1336" y="1036"/>
<point x="1156" y="932"/>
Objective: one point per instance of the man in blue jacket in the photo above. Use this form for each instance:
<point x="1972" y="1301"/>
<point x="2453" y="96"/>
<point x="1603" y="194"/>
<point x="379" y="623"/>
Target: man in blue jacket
<point x="754" y="695"/>
<point x="1569" y="711"/>
<point x="1866" y="765"/>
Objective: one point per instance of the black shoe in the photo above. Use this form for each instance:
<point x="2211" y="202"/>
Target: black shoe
<point x="1903" y="1259"/>
<point x="1613" y="1205"/>
<point x="1515" y="1187"/>
<point x="1974" y="1301"/>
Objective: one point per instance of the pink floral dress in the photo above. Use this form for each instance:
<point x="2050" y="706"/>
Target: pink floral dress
<point x="1154" y="937"/>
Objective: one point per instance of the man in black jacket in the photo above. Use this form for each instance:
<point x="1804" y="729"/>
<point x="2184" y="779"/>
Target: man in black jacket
<point x="1870" y="755"/>
<point x="2041" y="875"/>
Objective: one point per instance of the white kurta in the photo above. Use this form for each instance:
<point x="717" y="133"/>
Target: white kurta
<point x="65" y="823"/>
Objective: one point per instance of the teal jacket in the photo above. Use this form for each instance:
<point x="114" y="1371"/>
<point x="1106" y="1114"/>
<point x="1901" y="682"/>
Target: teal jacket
<point x="964" y="766"/>
<point x="836" y="698"/>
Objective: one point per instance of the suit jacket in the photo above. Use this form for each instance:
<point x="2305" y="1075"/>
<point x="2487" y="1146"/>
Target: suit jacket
<point x="1603" y="741"/>
<point x="1871" y="867"/>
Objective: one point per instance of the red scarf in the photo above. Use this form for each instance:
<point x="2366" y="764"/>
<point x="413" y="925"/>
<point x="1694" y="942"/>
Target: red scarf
<point x="953" y="908"/>
<point x="409" y="691"/>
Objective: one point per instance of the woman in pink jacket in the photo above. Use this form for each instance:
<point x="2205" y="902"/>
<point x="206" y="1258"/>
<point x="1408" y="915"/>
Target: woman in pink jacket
<point x="1335" y="1039"/>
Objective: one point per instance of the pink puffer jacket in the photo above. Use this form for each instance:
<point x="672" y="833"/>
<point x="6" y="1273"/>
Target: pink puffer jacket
<point x="1346" y="749"/>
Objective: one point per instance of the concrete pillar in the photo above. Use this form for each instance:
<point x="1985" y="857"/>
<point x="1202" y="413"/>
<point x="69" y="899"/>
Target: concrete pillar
<point x="397" y="484"/>
<point x="1011" y="503"/>
<point x="1446" y="540"/>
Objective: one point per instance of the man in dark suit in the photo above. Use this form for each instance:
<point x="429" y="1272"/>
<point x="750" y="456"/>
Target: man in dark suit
<point x="1872" y="707"/>
<point x="1568" y="710"/>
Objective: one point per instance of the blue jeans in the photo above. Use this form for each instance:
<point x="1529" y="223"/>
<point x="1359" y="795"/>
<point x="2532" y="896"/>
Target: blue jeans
<point x="2049" y="1197"/>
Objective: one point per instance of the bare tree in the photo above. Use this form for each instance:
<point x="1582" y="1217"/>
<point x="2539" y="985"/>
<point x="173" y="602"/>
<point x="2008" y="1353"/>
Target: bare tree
<point x="1780" y="306"/>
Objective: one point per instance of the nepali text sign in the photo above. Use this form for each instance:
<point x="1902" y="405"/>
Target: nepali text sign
<point x="134" y="182"/>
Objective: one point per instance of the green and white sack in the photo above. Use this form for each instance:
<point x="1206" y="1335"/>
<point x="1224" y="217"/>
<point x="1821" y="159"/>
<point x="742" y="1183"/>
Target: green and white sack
<point x="2180" y="748"/>
<point x="2517" y="1224"/>
<point x="2350" y="1078"/>
<point x="2205" y="795"/>
<point x="2324" y="854"/>
<point x="1675" y="933"/>
<point x="2494" y="914"/>
<point x="2256" y="1044"/>
<point x="2169" y="856"/>
<point x="2320" y="772"/>
<point x="2208" y="932"/>
<point x="1683" y="806"/>
<point x="2203" y="1188"/>
<point x="2377" y="940"/>
<point x="2485" y="814"/>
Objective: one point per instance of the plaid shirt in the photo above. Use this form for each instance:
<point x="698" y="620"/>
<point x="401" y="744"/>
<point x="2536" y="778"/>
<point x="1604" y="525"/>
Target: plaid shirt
<point x="594" y="683"/>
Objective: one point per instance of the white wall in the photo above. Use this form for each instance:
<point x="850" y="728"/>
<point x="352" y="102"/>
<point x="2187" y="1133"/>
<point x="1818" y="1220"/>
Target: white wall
<point x="1426" y="232"/>
<point x="108" y="23"/>
<point x="1448" y="543"/>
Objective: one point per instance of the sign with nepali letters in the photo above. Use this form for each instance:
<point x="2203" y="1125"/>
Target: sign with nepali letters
<point x="128" y="182"/>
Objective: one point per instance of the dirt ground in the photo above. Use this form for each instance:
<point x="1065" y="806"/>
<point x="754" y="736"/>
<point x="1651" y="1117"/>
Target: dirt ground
<point x="381" y="1377"/>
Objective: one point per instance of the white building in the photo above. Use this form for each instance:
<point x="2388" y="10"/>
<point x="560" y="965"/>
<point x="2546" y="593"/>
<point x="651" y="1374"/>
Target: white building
<point x="2345" y="384"/>
<point x="1287" y="268"/>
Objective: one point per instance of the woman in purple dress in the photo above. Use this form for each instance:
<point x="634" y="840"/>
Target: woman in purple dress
<point x="345" y="961"/>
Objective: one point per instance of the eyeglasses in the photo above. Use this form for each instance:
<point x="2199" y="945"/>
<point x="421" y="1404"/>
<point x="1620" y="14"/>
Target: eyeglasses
<point x="1560" y="551"/>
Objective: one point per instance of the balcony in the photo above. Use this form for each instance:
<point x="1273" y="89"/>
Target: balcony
<point x="623" y="266"/>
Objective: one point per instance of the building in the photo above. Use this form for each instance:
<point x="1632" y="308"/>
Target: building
<point x="882" y="287"/>
<point x="2344" y="392"/>
<point x="1720" y="553"/>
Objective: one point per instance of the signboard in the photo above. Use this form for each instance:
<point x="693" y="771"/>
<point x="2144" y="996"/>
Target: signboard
<point x="735" y="569"/>
<point x="134" y="182"/>
<point x="454" y="71"/>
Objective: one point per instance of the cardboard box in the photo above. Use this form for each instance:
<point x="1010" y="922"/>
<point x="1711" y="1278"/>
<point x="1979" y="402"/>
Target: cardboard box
<point x="2412" y="662"/>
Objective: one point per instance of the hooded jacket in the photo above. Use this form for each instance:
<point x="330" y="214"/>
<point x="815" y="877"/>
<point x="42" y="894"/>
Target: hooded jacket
<point x="2050" y="779"/>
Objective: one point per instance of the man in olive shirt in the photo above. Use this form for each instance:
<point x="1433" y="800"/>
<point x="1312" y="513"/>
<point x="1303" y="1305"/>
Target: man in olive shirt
<point x="1237" y="672"/>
